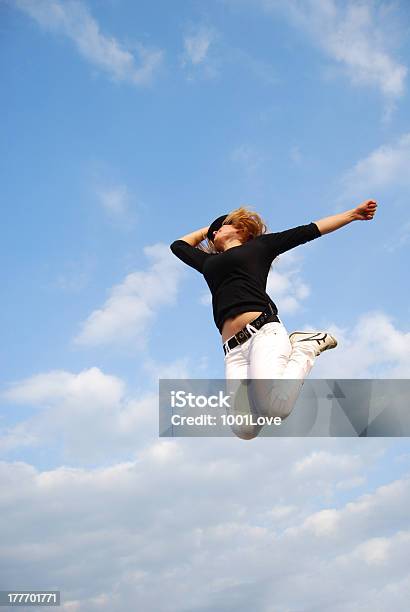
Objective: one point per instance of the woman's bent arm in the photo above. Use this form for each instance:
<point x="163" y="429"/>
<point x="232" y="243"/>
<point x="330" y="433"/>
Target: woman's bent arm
<point x="363" y="212"/>
<point x="195" y="237"/>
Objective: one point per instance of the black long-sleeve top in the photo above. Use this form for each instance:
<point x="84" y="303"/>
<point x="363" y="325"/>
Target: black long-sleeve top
<point x="237" y="277"/>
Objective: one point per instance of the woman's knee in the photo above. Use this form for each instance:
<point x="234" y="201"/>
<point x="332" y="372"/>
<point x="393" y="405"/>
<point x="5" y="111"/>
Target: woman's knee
<point x="273" y="397"/>
<point x="246" y="432"/>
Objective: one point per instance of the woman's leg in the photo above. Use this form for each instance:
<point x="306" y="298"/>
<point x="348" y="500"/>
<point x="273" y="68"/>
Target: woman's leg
<point x="236" y="369"/>
<point x="301" y="360"/>
<point x="277" y="370"/>
<point x="269" y="352"/>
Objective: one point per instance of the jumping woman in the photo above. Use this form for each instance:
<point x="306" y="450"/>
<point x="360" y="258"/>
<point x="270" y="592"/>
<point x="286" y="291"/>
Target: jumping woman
<point x="235" y="262"/>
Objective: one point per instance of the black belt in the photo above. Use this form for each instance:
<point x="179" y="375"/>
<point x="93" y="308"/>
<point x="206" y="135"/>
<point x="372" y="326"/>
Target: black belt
<point x="267" y="316"/>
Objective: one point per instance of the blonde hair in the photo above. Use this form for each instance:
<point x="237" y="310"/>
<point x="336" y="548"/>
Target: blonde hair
<point x="245" y="220"/>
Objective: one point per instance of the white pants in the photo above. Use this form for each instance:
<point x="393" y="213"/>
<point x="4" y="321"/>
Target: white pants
<point x="269" y="355"/>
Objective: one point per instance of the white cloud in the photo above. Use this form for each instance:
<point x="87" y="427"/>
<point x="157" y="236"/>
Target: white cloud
<point x="286" y="284"/>
<point x="359" y="518"/>
<point x="374" y="551"/>
<point x="280" y="511"/>
<point x="197" y="45"/>
<point x="320" y="463"/>
<point x="352" y="34"/>
<point x="205" y="51"/>
<point x="373" y="347"/>
<point x="385" y="168"/>
<point x="118" y="204"/>
<point x="115" y="200"/>
<point x="87" y="414"/>
<point x="131" y="307"/>
<point x="196" y="58"/>
<point x="177" y="522"/>
<point x="382" y="175"/>
<point x="73" y="20"/>
<point x="330" y="470"/>
<point x="179" y="368"/>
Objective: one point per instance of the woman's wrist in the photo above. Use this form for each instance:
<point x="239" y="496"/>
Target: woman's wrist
<point x="351" y="215"/>
<point x="195" y="237"/>
<point x="204" y="232"/>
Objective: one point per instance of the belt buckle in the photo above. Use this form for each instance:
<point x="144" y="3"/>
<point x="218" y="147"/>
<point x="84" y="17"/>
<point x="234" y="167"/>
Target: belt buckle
<point x="242" y="335"/>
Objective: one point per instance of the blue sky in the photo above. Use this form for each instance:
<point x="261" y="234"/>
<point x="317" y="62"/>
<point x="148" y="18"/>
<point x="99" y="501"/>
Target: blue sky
<point x="125" y="126"/>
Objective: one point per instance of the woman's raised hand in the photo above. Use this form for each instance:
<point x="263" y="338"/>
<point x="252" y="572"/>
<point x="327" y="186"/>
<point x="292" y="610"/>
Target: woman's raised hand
<point x="365" y="211"/>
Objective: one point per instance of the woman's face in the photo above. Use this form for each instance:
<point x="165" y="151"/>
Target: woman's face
<point x="226" y="233"/>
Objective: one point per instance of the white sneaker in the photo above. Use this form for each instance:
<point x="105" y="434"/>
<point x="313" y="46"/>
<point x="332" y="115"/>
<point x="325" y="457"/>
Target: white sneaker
<point x="321" y="340"/>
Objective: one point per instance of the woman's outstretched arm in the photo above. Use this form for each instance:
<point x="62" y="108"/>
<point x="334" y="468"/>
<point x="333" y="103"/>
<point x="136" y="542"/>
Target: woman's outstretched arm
<point x="195" y="237"/>
<point x="363" y="212"/>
